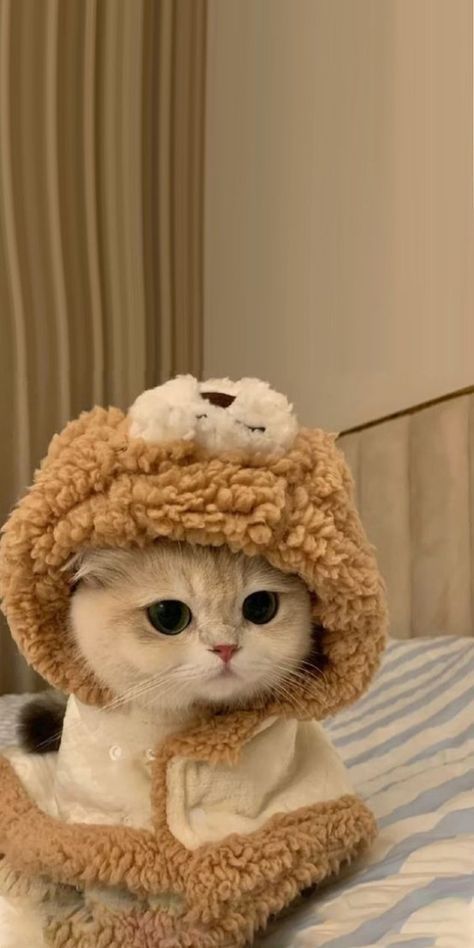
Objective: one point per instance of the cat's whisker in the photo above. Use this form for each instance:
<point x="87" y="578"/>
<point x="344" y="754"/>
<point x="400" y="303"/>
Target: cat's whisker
<point x="134" y="693"/>
<point x="281" y="691"/>
<point x="177" y="691"/>
<point x="300" y="673"/>
<point x="155" y="682"/>
<point x="299" y="665"/>
<point x="289" y="673"/>
<point x="53" y="738"/>
<point x="280" y="686"/>
<point x="293" y="700"/>
<point x="177" y="677"/>
<point x="312" y="668"/>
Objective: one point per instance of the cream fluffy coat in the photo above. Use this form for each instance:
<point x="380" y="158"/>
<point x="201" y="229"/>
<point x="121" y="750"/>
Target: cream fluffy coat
<point x="287" y="764"/>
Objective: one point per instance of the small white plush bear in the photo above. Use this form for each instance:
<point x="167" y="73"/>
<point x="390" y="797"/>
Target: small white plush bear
<point x="219" y="414"/>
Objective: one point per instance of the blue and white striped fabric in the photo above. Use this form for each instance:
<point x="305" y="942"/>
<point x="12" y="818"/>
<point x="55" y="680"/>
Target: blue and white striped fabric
<point x="409" y="745"/>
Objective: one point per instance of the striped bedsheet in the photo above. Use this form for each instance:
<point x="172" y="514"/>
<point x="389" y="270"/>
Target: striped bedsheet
<point x="410" y="747"/>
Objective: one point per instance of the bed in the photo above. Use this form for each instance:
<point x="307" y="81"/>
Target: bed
<point x="409" y="745"/>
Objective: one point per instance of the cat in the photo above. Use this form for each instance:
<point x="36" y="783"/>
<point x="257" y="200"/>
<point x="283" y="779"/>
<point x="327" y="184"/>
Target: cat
<point x="173" y="626"/>
<point x="167" y="629"/>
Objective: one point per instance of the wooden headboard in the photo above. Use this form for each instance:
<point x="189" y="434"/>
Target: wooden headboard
<point x="414" y="476"/>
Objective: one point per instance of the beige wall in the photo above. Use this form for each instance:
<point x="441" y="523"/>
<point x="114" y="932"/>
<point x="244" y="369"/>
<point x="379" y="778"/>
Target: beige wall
<point x="339" y="234"/>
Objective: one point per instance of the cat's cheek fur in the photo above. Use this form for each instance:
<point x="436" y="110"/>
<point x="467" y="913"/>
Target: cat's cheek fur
<point x="173" y="672"/>
<point x="101" y="642"/>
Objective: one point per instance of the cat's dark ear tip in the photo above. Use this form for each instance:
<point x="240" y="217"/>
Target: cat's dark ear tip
<point x="40" y="723"/>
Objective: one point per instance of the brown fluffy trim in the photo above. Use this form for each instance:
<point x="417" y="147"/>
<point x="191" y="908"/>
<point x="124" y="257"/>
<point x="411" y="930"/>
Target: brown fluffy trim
<point x="291" y="852"/>
<point x="76" y="854"/>
<point x="239" y="897"/>
<point x="99" y="488"/>
<point x="322" y="847"/>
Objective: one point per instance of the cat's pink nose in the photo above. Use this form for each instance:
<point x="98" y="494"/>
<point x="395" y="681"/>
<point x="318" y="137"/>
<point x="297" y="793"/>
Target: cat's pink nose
<point x="225" y="651"/>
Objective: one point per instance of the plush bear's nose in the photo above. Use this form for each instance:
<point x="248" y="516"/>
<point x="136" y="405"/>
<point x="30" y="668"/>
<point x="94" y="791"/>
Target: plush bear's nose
<point x="221" y="399"/>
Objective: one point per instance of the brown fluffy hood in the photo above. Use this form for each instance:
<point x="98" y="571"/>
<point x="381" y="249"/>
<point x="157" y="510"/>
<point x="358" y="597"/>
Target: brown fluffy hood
<point x="109" y="480"/>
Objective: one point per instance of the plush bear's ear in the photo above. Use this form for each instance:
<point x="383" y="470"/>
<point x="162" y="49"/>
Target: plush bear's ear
<point x="169" y="412"/>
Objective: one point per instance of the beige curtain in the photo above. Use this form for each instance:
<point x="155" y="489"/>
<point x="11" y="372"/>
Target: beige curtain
<point x="101" y="170"/>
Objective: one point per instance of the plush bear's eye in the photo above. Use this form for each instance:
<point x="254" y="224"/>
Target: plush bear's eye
<point x="260" y="607"/>
<point x="221" y="399"/>
<point x="169" y="616"/>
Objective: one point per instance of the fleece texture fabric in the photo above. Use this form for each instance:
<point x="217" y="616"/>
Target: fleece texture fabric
<point x="205" y="463"/>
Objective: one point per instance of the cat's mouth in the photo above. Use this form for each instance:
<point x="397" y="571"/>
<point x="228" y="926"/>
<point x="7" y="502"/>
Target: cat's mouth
<point x="225" y="672"/>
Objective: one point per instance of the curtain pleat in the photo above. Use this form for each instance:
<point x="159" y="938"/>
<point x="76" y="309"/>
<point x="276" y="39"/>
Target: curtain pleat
<point x="101" y="205"/>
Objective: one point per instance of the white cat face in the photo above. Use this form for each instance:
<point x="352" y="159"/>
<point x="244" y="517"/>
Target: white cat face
<point x="173" y="625"/>
<point x="219" y="414"/>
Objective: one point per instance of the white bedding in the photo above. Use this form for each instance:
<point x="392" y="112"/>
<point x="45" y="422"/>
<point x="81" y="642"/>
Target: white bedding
<point x="410" y="748"/>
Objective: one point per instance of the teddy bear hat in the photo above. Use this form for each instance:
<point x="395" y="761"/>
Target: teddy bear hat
<point x="210" y="463"/>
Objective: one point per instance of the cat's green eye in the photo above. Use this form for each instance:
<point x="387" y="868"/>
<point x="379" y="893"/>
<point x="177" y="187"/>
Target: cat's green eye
<point x="260" y="607"/>
<point x="169" y="616"/>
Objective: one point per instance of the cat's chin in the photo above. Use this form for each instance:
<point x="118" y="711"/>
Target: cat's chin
<point x="228" y="688"/>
